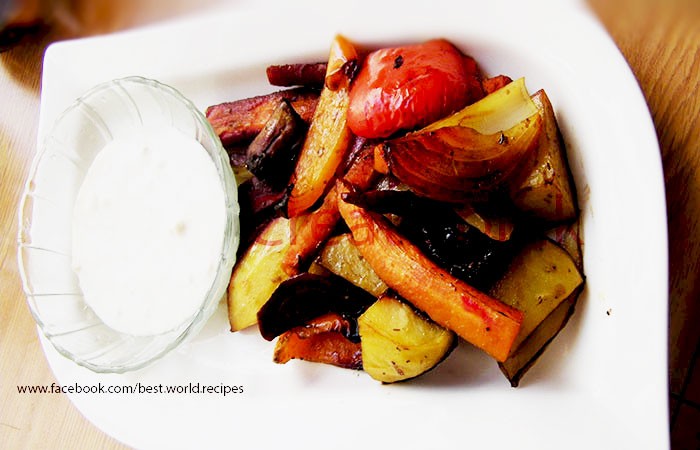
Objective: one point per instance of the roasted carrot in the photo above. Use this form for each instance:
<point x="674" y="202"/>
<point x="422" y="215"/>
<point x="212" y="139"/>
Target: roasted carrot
<point x="484" y="321"/>
<point x="322" y="340"/>
<point x="310" y="230"/>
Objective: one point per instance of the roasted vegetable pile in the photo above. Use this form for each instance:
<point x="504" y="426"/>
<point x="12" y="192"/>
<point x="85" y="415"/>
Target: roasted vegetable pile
<point x="395" y="201"/>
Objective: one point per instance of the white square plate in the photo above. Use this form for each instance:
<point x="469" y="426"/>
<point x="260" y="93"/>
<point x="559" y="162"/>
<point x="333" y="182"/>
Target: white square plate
<point x="601" y="385"/>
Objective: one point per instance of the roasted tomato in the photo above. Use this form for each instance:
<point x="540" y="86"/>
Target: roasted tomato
<point x="407" y="87"/>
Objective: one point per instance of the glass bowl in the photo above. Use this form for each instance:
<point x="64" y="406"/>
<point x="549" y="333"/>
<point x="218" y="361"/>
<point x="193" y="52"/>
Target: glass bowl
<point x="106" y="112"/>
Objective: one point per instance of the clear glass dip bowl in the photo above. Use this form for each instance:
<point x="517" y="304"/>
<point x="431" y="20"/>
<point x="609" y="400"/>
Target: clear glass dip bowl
<point x="106" y="112"/>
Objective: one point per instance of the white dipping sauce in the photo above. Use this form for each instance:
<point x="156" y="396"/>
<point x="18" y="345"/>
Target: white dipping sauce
<point x="148" y="228"/>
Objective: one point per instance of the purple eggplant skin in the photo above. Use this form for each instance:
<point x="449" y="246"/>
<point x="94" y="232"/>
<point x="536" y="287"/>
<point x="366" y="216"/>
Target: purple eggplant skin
<point x="272" y="155"/>
<point x="259" y="203"/>
<point x="307" y="296"/>
<point x="305" y="74"/>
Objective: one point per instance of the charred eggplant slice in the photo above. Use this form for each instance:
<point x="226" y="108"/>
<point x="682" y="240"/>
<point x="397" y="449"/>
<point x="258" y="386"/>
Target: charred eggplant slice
<point x="238" y="122"/>
<point x="305" y="297"/>
<point x="259" y="203"/>
<point x="273" y="153"/>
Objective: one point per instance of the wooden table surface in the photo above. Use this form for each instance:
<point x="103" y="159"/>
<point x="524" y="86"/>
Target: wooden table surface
<point x="660" y="40"/>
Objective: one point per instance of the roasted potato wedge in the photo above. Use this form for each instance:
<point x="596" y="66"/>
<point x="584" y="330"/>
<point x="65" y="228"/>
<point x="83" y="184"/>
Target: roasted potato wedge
<point x="540" y="277"/>
<point x="258" y="274"/>
<point x="523" y="358"/>
<point x="398" y="343"/>
<point x="324" y="149"/>
<point x="544" y="188"/>
<point x="532" y="346"/>
<point x="326" y="143"/>
<point x="341" y="256"/>
<point x="315" y="268"/>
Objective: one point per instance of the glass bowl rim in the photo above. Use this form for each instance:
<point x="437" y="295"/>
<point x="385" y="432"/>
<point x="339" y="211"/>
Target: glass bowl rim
<point x="228" y="246"/>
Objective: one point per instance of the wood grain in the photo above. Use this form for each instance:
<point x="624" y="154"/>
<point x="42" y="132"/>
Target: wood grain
<point x="26" y="421"/>
<point x="659" y="39"/>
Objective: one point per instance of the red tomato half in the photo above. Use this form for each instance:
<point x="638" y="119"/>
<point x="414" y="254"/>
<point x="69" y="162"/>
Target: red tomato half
<point x="408" y="87"/>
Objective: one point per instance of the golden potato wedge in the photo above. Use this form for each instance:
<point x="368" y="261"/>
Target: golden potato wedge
<point x="398" y="343"/>
<point x="544" y="188"/>
<point x="544" y="282"/>
<point x="258" y="274"/>
<point x="326" y="143"/>
<point x="315" y="268"/>
<point x="539" y="278"/>
<point x="341" y="256"/>
<point x="530" y="350"/>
